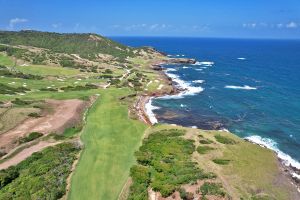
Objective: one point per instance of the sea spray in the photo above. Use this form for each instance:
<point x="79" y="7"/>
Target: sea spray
<point x="187" y="89"/>
<point x="149" y="111"/>
<point x="271" y="144"/>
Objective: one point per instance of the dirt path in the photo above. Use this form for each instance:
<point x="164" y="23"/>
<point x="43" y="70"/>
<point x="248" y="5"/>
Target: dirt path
<point x="26" y="153"/>
<point x="65" y="113"/>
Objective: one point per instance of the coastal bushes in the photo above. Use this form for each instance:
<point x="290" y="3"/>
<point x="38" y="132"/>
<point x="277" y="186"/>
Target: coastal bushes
<point x="205" y="141"/>
<point x="168" y="157"/>
<point x="21" y="102"/>
<point x="4" y="89"/>
<point x="41" y="176"/>
<point x="34" y="114"/>
<point x="212" y="189"/>
<point x="224" y="139"/>
<point x="79" y="87"/>
<point x="221" y="161"/>
<point x="204" y="149"/>
<point x="32" y="136"/>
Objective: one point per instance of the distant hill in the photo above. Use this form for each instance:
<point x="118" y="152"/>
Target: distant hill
<point x="76" y="50"/>
<point x="87" y="45"/>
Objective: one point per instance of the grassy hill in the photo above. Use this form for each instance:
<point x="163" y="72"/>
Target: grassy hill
<point x="87" y="45"/>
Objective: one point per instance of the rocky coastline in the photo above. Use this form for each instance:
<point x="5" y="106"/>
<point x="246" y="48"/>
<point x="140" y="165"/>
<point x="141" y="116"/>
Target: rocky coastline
<point x="288" y="171"/>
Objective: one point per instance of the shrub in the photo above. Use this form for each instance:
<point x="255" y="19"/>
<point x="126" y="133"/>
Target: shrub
<point x="204" y="149"/>
<point x="32" y="136"/>
<point x="205" y="141"/>
<point x="224" y="140"/>
<point x="185" y="195"/>
<point x="21" y="102"/>
<point x="167" y="156"/>
<point x="35" y="115"/>
<point x="221" y="161"/>
<point x="41" y="176"/>
<point x="212" y="189"/>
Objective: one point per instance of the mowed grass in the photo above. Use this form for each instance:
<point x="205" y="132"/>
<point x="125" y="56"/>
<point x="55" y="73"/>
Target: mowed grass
<point x="4" y="60"/>
<point x="110" y="140"/>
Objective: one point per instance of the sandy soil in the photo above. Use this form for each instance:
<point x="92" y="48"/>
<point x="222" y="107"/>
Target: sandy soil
<point x="65" y="113"/>
<point x="26" y="153"/>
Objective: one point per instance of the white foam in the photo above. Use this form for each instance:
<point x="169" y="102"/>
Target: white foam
<point x="198" y="69"/>
<point x="183" y="106"/>
<point x="171" y="70"/>
<point x="195" y="127"/>
<point x="188" y="90"/>
<point x="241" y="58"/>
<point x="198" y="81"/>
<point x="205" y="63"/>
<point x="296" y="175"/>
<point x="224" y="130"/>
<point x="185" y="67"/>
<point x="245" y="87"/>
<point x="149" y="111"/>
<point x="271" y="144"/>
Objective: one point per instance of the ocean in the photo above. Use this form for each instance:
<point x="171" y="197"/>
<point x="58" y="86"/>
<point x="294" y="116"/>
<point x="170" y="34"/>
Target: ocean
<point x="249" y="87"/>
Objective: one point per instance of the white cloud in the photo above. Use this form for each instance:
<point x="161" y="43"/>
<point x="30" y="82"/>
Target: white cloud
<point x="154" y="26"/>
<point x="292" y="25"/>
<point x="250" y="25"/>
<point x="13" y="22"/>
<point x="56" y="25"/>
<point x="280" y="25"/>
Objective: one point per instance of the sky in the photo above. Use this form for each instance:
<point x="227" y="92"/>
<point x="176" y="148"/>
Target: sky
<point x="173" y="18"/>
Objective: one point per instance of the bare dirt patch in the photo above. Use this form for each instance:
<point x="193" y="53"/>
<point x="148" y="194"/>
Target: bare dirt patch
<point x="64" y="113"/>
<point x="26" y="153"/>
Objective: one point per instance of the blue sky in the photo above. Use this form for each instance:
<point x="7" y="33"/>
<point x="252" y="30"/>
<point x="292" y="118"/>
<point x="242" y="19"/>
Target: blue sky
<point x="189" y="18"/>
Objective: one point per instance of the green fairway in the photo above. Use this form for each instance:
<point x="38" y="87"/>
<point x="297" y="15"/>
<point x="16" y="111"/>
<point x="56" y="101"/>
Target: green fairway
<point x="47" y="70"/>
<point x="4" y="60"/>
<point x="110" y="139"/>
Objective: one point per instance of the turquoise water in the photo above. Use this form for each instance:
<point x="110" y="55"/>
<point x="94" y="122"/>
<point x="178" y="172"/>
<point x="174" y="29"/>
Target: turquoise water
<point x="250" y="87"/>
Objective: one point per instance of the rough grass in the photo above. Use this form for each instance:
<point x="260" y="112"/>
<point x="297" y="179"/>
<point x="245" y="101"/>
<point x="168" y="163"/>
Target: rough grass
<point x="221" y="161"/>
<point x="5" y="60"/>
<point x="44" y="70"/>
<point x="224" y="139"/>
<point x="110" y="139"/>
<point x="212" y="189"/>
<point x="251" y="171"/>
<point x="14" y="116"/>
<point x="204" y="149"/>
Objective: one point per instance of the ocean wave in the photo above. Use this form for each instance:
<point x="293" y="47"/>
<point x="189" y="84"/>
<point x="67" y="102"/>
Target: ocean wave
<point x="149" y="111"/>
<point x="171" y="70"/>
<point x="185" y="67"/>
<point x="188" y="90"/>
<point x="271" y="144"/>
<point x="241" y="58"/>
<point x="198" y="69"/>
<point x="205" y="63"/>
<point x="245" y="87"/>
<point x="198" y="81"/>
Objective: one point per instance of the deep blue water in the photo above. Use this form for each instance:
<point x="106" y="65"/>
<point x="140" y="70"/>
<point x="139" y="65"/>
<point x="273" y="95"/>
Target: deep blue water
<point x="272" y="110"/>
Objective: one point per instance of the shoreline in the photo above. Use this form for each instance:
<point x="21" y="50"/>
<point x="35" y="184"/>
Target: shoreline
<point x="145" y="115"/>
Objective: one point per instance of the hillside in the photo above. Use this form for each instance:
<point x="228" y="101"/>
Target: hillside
<point x="66" y="49"/>
<point x="86" y="45"/>
<point x="73" y="126"/>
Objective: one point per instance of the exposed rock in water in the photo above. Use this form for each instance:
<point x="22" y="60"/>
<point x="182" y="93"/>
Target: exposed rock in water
<point x="180" y="61"/>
